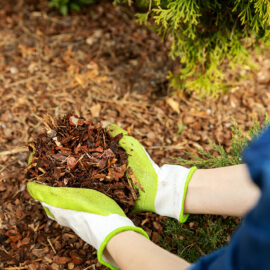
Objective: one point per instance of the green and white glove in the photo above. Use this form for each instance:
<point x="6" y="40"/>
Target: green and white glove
<point x="92" y="215"/>
<point x="164" y="187"/>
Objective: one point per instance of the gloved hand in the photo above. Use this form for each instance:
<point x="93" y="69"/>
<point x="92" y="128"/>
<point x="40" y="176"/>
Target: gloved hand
<point x="164" y="187"/>
<point x="92" y="215"/>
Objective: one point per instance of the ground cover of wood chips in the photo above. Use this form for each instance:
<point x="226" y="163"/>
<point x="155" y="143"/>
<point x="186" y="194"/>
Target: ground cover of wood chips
<point x="102" y="65"/>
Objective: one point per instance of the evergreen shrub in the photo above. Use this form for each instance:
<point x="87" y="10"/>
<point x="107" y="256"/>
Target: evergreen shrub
<point x="207" y="36"/>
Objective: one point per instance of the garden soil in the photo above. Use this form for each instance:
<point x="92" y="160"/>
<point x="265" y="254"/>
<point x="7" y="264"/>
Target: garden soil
<point x="101" y="65"/>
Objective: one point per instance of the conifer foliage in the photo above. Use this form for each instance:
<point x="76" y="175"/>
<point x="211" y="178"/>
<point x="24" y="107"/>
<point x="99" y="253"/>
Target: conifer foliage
<point x="207" y="35"/>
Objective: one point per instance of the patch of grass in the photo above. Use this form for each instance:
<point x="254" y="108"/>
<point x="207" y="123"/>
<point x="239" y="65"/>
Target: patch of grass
<point x="199" y="236"/>
<point x="205" y="159"/>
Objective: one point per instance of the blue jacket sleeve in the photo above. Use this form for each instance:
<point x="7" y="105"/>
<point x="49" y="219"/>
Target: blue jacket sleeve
<point x="250" y="245"/>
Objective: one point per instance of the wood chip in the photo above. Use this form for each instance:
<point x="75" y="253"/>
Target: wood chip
<point x="134" y="180"/>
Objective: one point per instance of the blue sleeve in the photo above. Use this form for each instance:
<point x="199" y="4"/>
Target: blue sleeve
<point x="250" y="245"/>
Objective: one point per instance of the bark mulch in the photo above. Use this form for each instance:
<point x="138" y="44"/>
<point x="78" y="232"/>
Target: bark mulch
<point x="101" y="65"/>
<point x="77" y="153"/>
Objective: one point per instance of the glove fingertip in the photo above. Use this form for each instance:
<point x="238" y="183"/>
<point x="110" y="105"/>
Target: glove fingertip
<point x="114" y="130"/>
<point x="30" y="188"/>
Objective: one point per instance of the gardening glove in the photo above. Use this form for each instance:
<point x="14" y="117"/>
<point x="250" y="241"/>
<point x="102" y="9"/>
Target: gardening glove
<point x="164" y="188"/>
<point x="93" y="216"/>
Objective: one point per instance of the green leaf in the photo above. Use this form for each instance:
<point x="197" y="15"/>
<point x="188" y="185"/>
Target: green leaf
<point x="75" y="7"/>
<point x="64" y="10"/>
<point x="142" y="18"/>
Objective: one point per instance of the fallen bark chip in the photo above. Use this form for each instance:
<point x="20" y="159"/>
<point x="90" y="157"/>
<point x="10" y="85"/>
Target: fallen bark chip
<point x="134" y="180"/>
<point x="82" y="154"/>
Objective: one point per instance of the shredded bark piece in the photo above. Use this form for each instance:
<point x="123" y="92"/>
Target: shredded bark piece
<point x="134" y="180"/>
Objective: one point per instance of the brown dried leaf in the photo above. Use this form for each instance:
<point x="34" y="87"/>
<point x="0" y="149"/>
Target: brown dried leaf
<point x="71" y="162"/>
<point x="95" y="110"/>
<point x="173" y="104"/>
<point x="74" y="121"/>
<point x="40" y="252"/>
<point x="61" y="260"/>
<point x="59" y="157"/>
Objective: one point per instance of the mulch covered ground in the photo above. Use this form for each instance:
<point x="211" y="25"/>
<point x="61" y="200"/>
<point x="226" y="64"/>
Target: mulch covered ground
<point x="99" y="64"/>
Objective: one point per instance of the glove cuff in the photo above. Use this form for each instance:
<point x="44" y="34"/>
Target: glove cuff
<point x="103" y="245"/>
<point x="173" y="182"/>
<point x="183" y="217"/>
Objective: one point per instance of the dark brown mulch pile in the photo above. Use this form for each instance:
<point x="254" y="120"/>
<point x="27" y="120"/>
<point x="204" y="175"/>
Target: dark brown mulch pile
<point x="74" y="152"/>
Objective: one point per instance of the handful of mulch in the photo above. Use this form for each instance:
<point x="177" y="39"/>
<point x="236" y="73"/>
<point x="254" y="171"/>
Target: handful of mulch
<point x="74" y="152"/>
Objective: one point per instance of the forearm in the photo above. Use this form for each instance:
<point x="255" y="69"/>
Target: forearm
<point x="132" y="251"/>
<point x="222" y="191"/>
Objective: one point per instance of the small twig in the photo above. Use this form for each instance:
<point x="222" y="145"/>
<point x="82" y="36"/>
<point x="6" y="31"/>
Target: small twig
<point x="51" y="245"/>
<point x="81" y="157"/>
<point x="46" y="17"/>
<point x="3" y="168"/>
<point x="37" y="178"/>
<point x="202" y="253"/>
<point x="2" y="248"/>
<point x="93" y="266"/>
<point x="15" y="268"/>
<point x="166" y="147"/>
<point x="42" y="170"/>
<point x="132" y="190"/>
<point x="87" y="155"/>
<point x="14" y="151"/>
<point x="50" y="123"/>
<point x="187" y="247"/>
<point x="21" y="81"/>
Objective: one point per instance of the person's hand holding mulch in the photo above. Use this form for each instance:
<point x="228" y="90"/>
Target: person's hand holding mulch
<point x="96" y="218"/>
<point x="163" y="188"/>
